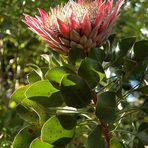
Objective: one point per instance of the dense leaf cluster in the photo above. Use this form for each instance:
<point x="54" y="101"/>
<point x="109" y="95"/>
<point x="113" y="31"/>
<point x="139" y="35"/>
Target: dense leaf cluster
<point x="77" y="90"/>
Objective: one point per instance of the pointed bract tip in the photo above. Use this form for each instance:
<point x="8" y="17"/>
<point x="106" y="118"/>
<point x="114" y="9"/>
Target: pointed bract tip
<point x="42" y="13"/>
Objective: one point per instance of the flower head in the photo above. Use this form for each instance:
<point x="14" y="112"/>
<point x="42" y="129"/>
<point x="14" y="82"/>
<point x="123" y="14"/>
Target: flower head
<point x="83" y="24"/>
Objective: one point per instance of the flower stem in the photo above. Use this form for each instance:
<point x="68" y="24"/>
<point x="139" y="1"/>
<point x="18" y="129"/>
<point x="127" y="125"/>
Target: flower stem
<point x="104" y="126"/>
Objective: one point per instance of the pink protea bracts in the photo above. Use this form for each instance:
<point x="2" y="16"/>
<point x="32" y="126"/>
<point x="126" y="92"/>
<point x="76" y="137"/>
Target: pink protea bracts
<point x="79" y="24"/>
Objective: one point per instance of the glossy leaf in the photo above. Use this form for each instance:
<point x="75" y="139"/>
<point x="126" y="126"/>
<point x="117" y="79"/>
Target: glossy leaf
<point x="76" y="55"/>
<point x="52" y="132"/>
<point x="41" y="89"/>
<point x="95" y="139"/>
<point x="37" y="108"/>
<point x="141" y="50"/>
<point x="19" y="94"/>
<point x="25" y="137"/>
<point x="28" y="115"/>
<point x="68" y="121"/>
<point x="97" y="54"/>
<point x="54" y="100"/>
<point x="75" y="91"/>
<point x="125" y="45"/>
<point x="56" y="74"/>
<point x="33" y="77"/>
<point x="111" y="39"/>
<point x="38" y="143"/>
<point x="106" y="106"/>
<point x="91" y="71"/>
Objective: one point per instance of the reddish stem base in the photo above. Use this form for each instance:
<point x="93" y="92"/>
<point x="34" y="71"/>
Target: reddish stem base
<point x="105" y="128"/>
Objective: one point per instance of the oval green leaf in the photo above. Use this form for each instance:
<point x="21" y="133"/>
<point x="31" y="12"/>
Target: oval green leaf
<point x="40" y="89"/>
<point x="25" y="137"/>
<point x="56" y="74"/>
<point x="76" y="55"/>
<point x="91" y="71"/>
<point x="141" y="50"/>
<point x="19" y="94"/>
<point x="54" y="100"/>
<point x="28" y="115"/>
<point x="125" y="45"/>
<point x="75" y="91"/>
<point x="97" y="54"/>
<point x="52" y="132"/>
<point x="33" y="77"/>
<point x="68" y="121"/>
<point x="37" y="143"/>
<point x="106" y="105"/>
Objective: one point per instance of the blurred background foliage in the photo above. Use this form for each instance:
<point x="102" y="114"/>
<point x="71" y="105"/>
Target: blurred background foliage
<point x="19" y="47"/>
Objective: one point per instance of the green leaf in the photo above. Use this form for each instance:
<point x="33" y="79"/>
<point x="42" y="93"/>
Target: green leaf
<point x="143" y="133"/>
<point x="68" y="121"/>
<point x="28" y="115"/>
<point x="143" y="89"/>
<point x="38" y="143"/>
<point x="76" y="55"/>
<point x="125" y="45"/>
<point x="129" y="65"/>
<point x="56" y="74"/>
<point x="91" y="71"/>
<point x="54" y="100"/>
<point x="40" y="89"/>
<point x="25" y="136"/>
<point x="116" y="143"/>
<point x="44" y="93"/>
<point x="33" y="77"/>
<point x="75" y="91"/>
<point x="97" y="54"/>
<point x="106" y="105"/>
<point x="95" y="140"/>
<point x="52" y="132"/>
<point x="111" y="39"/>
<point x="36" y="69"/>
<point x="37" y="108"/>
<point x="19" y="94"/>
<point x="141" y="50"/>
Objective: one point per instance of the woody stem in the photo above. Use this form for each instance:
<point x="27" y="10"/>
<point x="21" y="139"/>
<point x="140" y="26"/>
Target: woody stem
<point x="104" y="126"/>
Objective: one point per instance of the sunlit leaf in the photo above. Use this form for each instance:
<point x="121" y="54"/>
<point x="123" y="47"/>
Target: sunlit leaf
<point x="38" y="143"/>
<point x="19" y="94"/>
<point x="33" y="77"/>
<point x="53" y="132"/>
<point x="56" y="74"/>
<point x="25" y="137"/>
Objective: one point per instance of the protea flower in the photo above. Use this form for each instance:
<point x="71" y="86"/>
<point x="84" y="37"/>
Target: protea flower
<point x="83" y="24"/>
